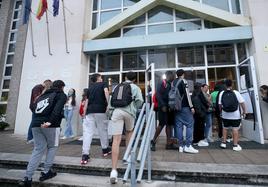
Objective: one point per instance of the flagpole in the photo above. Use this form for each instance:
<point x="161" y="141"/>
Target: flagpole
<point x="32" y="39"/>
<point x="48" y="38"/>
<point x="65" y="27"/>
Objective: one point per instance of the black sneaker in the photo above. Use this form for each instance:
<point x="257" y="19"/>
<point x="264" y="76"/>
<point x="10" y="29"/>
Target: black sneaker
<point x="45" y="176"/>
<point x="106" y="151"/>
<point x="152" y="145"/>
<point x="85" y="159"/>
<point x="171" y="147"/>
<point x="25" y="182"/>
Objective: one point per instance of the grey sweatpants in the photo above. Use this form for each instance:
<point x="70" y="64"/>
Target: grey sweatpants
<point x="91" y="122"/>
<point x="44" y="139"/>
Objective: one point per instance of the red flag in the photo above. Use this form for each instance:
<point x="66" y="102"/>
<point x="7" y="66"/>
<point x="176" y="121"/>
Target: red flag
<point x="42" y="8"/>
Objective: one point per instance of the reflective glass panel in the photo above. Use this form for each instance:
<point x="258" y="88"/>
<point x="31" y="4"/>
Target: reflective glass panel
<point x="94" y="20"/>
<point x="4" y="96"/>
<point x="107" y="4"/>
<point x="134" y="31"/>
<point x="191" y="56"/>
<point x="137" y="21"/>
<point x="211" y="25"/>
<point x="241" y="50"/>
<point x="112" y="81"/>
<point x="6" y="84"/>
<point x="95" y="4"/>
<point x="18" y="4"/>
<point x="163" y="58"/>
<point x="130" y="2"/>
<point x="196" y="76"/>
<point x="221" y="4"/>
<point x="187" y="26"/>
<point x="182" y="15"/>
<point x="220" y="54"/>
<point x="8" y="71"/>
<point x="13" y="36"/>
<point x="160" y="14"/>
<point x="115" y="34"/>
<point x="236" y="6"/>
<point x="219" y="75"/>
<point x="92" y="66"/>
<point x="10" y="59"/>
<point x="134" y="60"/>
<point x="11" y="47"/>
<point x="109" y="62"/>
<point x="163" y="28"/>
<point x="105" y="16"/>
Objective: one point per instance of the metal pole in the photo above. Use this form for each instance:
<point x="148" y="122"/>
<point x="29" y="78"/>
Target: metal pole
<point x="149" y="161"/>
<point x="48" y="38"/>
<point x="65" y="27"/>
<point x="32" y="39"/>
<point x="133" y="169"/>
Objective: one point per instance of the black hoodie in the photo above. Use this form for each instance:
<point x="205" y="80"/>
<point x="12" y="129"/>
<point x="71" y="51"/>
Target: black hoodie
<point x="55" y="116"/>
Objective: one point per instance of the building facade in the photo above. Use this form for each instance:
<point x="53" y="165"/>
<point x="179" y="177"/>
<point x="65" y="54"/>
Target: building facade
<point x="211" y="40"/>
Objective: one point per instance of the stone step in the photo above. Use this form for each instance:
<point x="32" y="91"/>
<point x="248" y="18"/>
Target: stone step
<point x="175" y="171"/>
<point x="11" y="177"/>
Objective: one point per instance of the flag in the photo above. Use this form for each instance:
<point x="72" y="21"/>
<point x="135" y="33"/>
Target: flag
<point x="27" y="11"/>
<point x="56" y="4"/>
<point x="42" y="8"/>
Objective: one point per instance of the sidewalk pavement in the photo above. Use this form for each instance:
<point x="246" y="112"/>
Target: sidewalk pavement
<point x="252" y="153"/>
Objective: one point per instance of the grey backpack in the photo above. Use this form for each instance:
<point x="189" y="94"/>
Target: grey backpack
<point x="174" y="97"/>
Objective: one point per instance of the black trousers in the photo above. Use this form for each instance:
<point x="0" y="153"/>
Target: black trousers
<point x="199" y="128"/>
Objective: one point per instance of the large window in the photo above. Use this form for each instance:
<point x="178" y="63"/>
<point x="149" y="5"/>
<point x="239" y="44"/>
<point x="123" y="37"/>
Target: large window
<point x="241" y="51"/>
<point x="163" y="58"/>
<point x="134" y="60"/>
<point x="9" y="56"/>
<point x="221" y="54"/>
<point x="109" y="62"/>
<point x="191" y="56"/>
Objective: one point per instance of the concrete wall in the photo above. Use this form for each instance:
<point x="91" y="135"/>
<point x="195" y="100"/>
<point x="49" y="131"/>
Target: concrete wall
<point x="72" y="68"/>
<point x="259" y="14"/>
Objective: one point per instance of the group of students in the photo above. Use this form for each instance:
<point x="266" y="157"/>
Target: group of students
<point x="196" y="113"/>
<point x="51" y="105"/>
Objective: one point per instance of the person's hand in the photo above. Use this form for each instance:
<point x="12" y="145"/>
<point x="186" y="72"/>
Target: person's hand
<point x="45" y="124"/>
<point x="164" y="109"/>
<point x="192" y="110"/>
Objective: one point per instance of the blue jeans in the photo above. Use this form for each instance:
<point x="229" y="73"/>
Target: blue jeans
<point x="68" y="114"/>
<point x="208" y="125"/>
<point x="30" y="133"/>
<point x="184" y="118"/>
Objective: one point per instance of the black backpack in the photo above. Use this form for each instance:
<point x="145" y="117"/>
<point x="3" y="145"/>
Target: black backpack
<point x="122" y="95"/>
<point x="229" y="101"/>
<point x="45" y="104"/>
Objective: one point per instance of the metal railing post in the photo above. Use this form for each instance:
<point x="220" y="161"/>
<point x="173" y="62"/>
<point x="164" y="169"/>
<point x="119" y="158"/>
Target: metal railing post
<point x="133" y="169"/>
<point x="149" y="156"/>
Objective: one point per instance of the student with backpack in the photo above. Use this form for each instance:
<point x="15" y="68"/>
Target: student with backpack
<point x="82" y="107"/>
<point x="180" y="101"/>
<point x="46" y="131"/>
<point x="126" y="100"/>
<point x="165" y="116"/>
<point x="96" y="117"/>
<point x="229" y="102"/>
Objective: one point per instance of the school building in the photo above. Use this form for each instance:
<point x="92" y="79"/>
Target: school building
<point x="211" y="40"/>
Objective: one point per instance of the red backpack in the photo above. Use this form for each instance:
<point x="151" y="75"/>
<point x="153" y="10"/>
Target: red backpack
<point x="154" y="98"/>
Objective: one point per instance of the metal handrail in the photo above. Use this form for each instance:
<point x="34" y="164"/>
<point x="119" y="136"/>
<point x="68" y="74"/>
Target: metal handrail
<point x="144" y="148"/>
<point x="131" y="141"/>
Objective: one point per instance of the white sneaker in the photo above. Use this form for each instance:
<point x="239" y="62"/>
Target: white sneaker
<point x="181" y="149"/>
<point x="72" y="136"/>
<point x="229" y="140"/>
<point x="190" y="149"/>
<point x="81" y="138"/>
<point x="63" y="138"/>
<point x="202" y="143"/>
<point x="113" y="176"/>
<point x="237" y="148"/>
<point x="223" y="145"/>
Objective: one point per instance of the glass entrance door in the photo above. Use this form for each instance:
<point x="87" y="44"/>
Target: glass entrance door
<point x="247" y="83"/>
